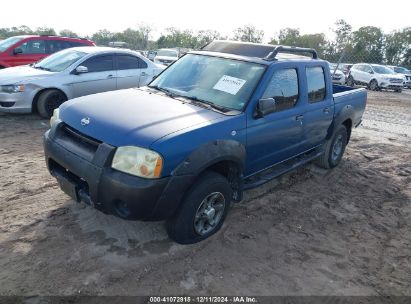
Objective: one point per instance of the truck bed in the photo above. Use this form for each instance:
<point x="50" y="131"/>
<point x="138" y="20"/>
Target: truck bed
<point x="352" y="97"/>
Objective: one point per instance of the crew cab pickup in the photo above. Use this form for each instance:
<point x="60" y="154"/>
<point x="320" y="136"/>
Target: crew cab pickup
<point x="218" y="121"/>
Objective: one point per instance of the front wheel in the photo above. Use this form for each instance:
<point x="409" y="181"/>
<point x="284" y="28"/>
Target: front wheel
<point x="398" y="90"/>
<point x="203" y="210"/>
<point x="350" y="81"/>
<point x="48" y="101"/>
<point x="334" y="149"/>
<point x="373" y="85"/>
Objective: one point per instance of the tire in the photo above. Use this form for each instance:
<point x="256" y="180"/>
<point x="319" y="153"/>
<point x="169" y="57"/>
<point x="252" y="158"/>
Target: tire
<point x="373" y="85"/>
<point x="197" y="218"/>
<point x="334" y="149"/>
<point x="398" y="90"/>
<point x="350" y="81"/>
<point x="48" y="101"/>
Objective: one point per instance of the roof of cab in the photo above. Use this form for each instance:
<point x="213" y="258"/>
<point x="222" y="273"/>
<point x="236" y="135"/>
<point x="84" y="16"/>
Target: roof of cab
<point x="256" y="52"/>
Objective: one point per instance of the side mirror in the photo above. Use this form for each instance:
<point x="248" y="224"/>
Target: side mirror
<point x="266" y="106"/>
<point x="18" y="51"/>
<point x="81" y="70"/>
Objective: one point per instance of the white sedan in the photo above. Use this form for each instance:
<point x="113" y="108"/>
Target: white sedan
<point x="72" y="73"/>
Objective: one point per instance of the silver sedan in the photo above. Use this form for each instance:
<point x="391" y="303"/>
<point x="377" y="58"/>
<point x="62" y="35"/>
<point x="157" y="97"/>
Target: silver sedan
<point x="72" y="73"/>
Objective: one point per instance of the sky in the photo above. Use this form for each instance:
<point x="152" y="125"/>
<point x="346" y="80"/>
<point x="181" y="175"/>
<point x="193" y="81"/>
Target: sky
<point x="310" y="16"/>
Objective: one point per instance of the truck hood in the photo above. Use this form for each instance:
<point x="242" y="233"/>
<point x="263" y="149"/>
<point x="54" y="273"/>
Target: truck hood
<point x="22" y="74"/>
<point x="135" y="117"/>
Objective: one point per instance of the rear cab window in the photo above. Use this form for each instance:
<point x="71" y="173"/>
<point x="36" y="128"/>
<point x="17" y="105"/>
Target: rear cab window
<point x="316" y="85"/>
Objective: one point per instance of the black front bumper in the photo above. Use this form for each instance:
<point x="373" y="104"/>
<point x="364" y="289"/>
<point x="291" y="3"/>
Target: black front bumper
<point x="86" y="175"/>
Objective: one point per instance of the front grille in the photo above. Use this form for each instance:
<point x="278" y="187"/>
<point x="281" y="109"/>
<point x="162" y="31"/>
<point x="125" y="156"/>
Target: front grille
<point x="393" y="80"/>
<point x="77" y="142"/>
<point x="408" y="77"/>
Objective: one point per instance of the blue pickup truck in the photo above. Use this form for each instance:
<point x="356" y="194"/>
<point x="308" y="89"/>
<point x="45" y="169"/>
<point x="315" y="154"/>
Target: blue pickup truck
<point x="218" y="121"/>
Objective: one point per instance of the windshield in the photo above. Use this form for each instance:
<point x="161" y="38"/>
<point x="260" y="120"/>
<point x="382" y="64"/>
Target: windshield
<point x="401" y="70"/>
<point x="5" y="44"/>
<point x="223" y="82"/>
<point x="382" y="69"/>
<point x="168" y="53"/>
<point x="59" y="61"/>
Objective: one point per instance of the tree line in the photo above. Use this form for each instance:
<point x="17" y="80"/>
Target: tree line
<point x="367" y="44"/>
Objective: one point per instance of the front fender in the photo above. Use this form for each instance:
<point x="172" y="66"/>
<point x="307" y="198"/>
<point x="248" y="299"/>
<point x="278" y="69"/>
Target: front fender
<point x="211" y="153"/>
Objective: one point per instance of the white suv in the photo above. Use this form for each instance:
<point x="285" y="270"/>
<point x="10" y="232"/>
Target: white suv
<point x="375" y="77"/>
<point x="405" y="73"/>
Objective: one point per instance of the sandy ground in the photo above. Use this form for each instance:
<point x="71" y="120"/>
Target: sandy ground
<point x="312" y="232"/>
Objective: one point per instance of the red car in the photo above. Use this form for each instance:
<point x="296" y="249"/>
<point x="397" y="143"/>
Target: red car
<point x="21" y="50"/>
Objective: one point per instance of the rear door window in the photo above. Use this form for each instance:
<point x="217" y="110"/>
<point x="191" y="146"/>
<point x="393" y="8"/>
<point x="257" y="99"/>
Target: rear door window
<point x="99" y="63"/>
<point x="33" y="47"/>
<point x="129" y="62"/>
<point x="315" y="83"/>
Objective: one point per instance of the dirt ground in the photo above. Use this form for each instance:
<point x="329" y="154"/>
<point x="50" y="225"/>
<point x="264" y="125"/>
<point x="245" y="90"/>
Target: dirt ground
<point x="312" y="232"/>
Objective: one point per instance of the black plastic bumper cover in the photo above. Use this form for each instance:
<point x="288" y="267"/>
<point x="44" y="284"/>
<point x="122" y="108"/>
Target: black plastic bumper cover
<point x="112" y="191"/>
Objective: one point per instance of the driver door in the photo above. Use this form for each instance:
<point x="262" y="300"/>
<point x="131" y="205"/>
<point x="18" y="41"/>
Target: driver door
<point x="279" y="135"/>
<point x="100" y="77"/>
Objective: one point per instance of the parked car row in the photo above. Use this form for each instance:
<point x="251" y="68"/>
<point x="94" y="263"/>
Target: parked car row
<point x="21" y="50"/>
<point x="375" y="77"/>
<point x="71" y="73"/>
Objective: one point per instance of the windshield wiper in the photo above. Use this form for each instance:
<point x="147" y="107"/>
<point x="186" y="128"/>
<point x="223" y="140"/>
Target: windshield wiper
<point x="41" y="68"/>
<point x="207" y="104"/>
<point x="166" y="91"/>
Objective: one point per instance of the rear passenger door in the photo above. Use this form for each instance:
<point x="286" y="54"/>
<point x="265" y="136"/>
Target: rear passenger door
<point x="130" y="71"/>
<point x="319" y="106"/>
<point x="101" y="76"/>
<point x="278" y="135"/>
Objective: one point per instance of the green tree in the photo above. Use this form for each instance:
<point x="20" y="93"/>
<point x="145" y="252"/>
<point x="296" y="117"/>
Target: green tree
<point x="68" y="33"/>
<point x="368" y="42"/>
<point x="248" y="33"/>
<point x="45" y="31"/>
<point x="177" y="38"/>
<point x="397" y="46"/>
<point x="289" y="36"/>
<point x="206" y="36"/>
<point x="102" y="37"/>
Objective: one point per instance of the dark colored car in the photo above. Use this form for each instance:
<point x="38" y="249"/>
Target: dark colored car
<point x="218" y="121"/>
<point x="22" y="50"/>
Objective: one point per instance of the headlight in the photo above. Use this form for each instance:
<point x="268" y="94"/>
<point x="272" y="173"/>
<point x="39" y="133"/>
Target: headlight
<point x="12" y="88"/>
<point x="138" y="161"/>
<point x="55" y="117"/>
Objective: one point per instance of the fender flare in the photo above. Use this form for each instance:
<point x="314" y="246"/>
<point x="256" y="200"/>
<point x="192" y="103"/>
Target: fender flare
<point x="346" y="113"/>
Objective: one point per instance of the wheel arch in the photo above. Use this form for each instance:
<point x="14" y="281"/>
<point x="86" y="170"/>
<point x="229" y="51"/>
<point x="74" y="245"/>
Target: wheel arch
<point x="345" y="118"/>
<point x="37" y="95"/>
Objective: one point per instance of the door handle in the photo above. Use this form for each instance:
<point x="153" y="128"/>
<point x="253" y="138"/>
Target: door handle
<point x="143" y="74"/>
<point x="300" y="118"/>
<point x="326" y="110"/>
<point x="110" y="76"/>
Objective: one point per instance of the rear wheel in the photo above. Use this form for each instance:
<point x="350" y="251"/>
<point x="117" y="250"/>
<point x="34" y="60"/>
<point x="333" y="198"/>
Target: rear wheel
<point x="334" y="149"/>
<point x="203" y="210"/>
<point x="373" y="85"/>
<point x="398" y="90"/>
<point x="48" y="101"/>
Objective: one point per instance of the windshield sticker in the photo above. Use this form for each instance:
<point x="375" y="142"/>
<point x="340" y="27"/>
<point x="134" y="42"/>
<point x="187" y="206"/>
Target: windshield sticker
<point x="229" y="84"/>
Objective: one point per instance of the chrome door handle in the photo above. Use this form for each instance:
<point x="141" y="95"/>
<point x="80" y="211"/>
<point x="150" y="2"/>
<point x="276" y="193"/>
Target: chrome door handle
<point x="143" y="74"/>
<point x="326" y="110"/>
<point x="299" y="118"/>
<point x="110" y="76"/>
